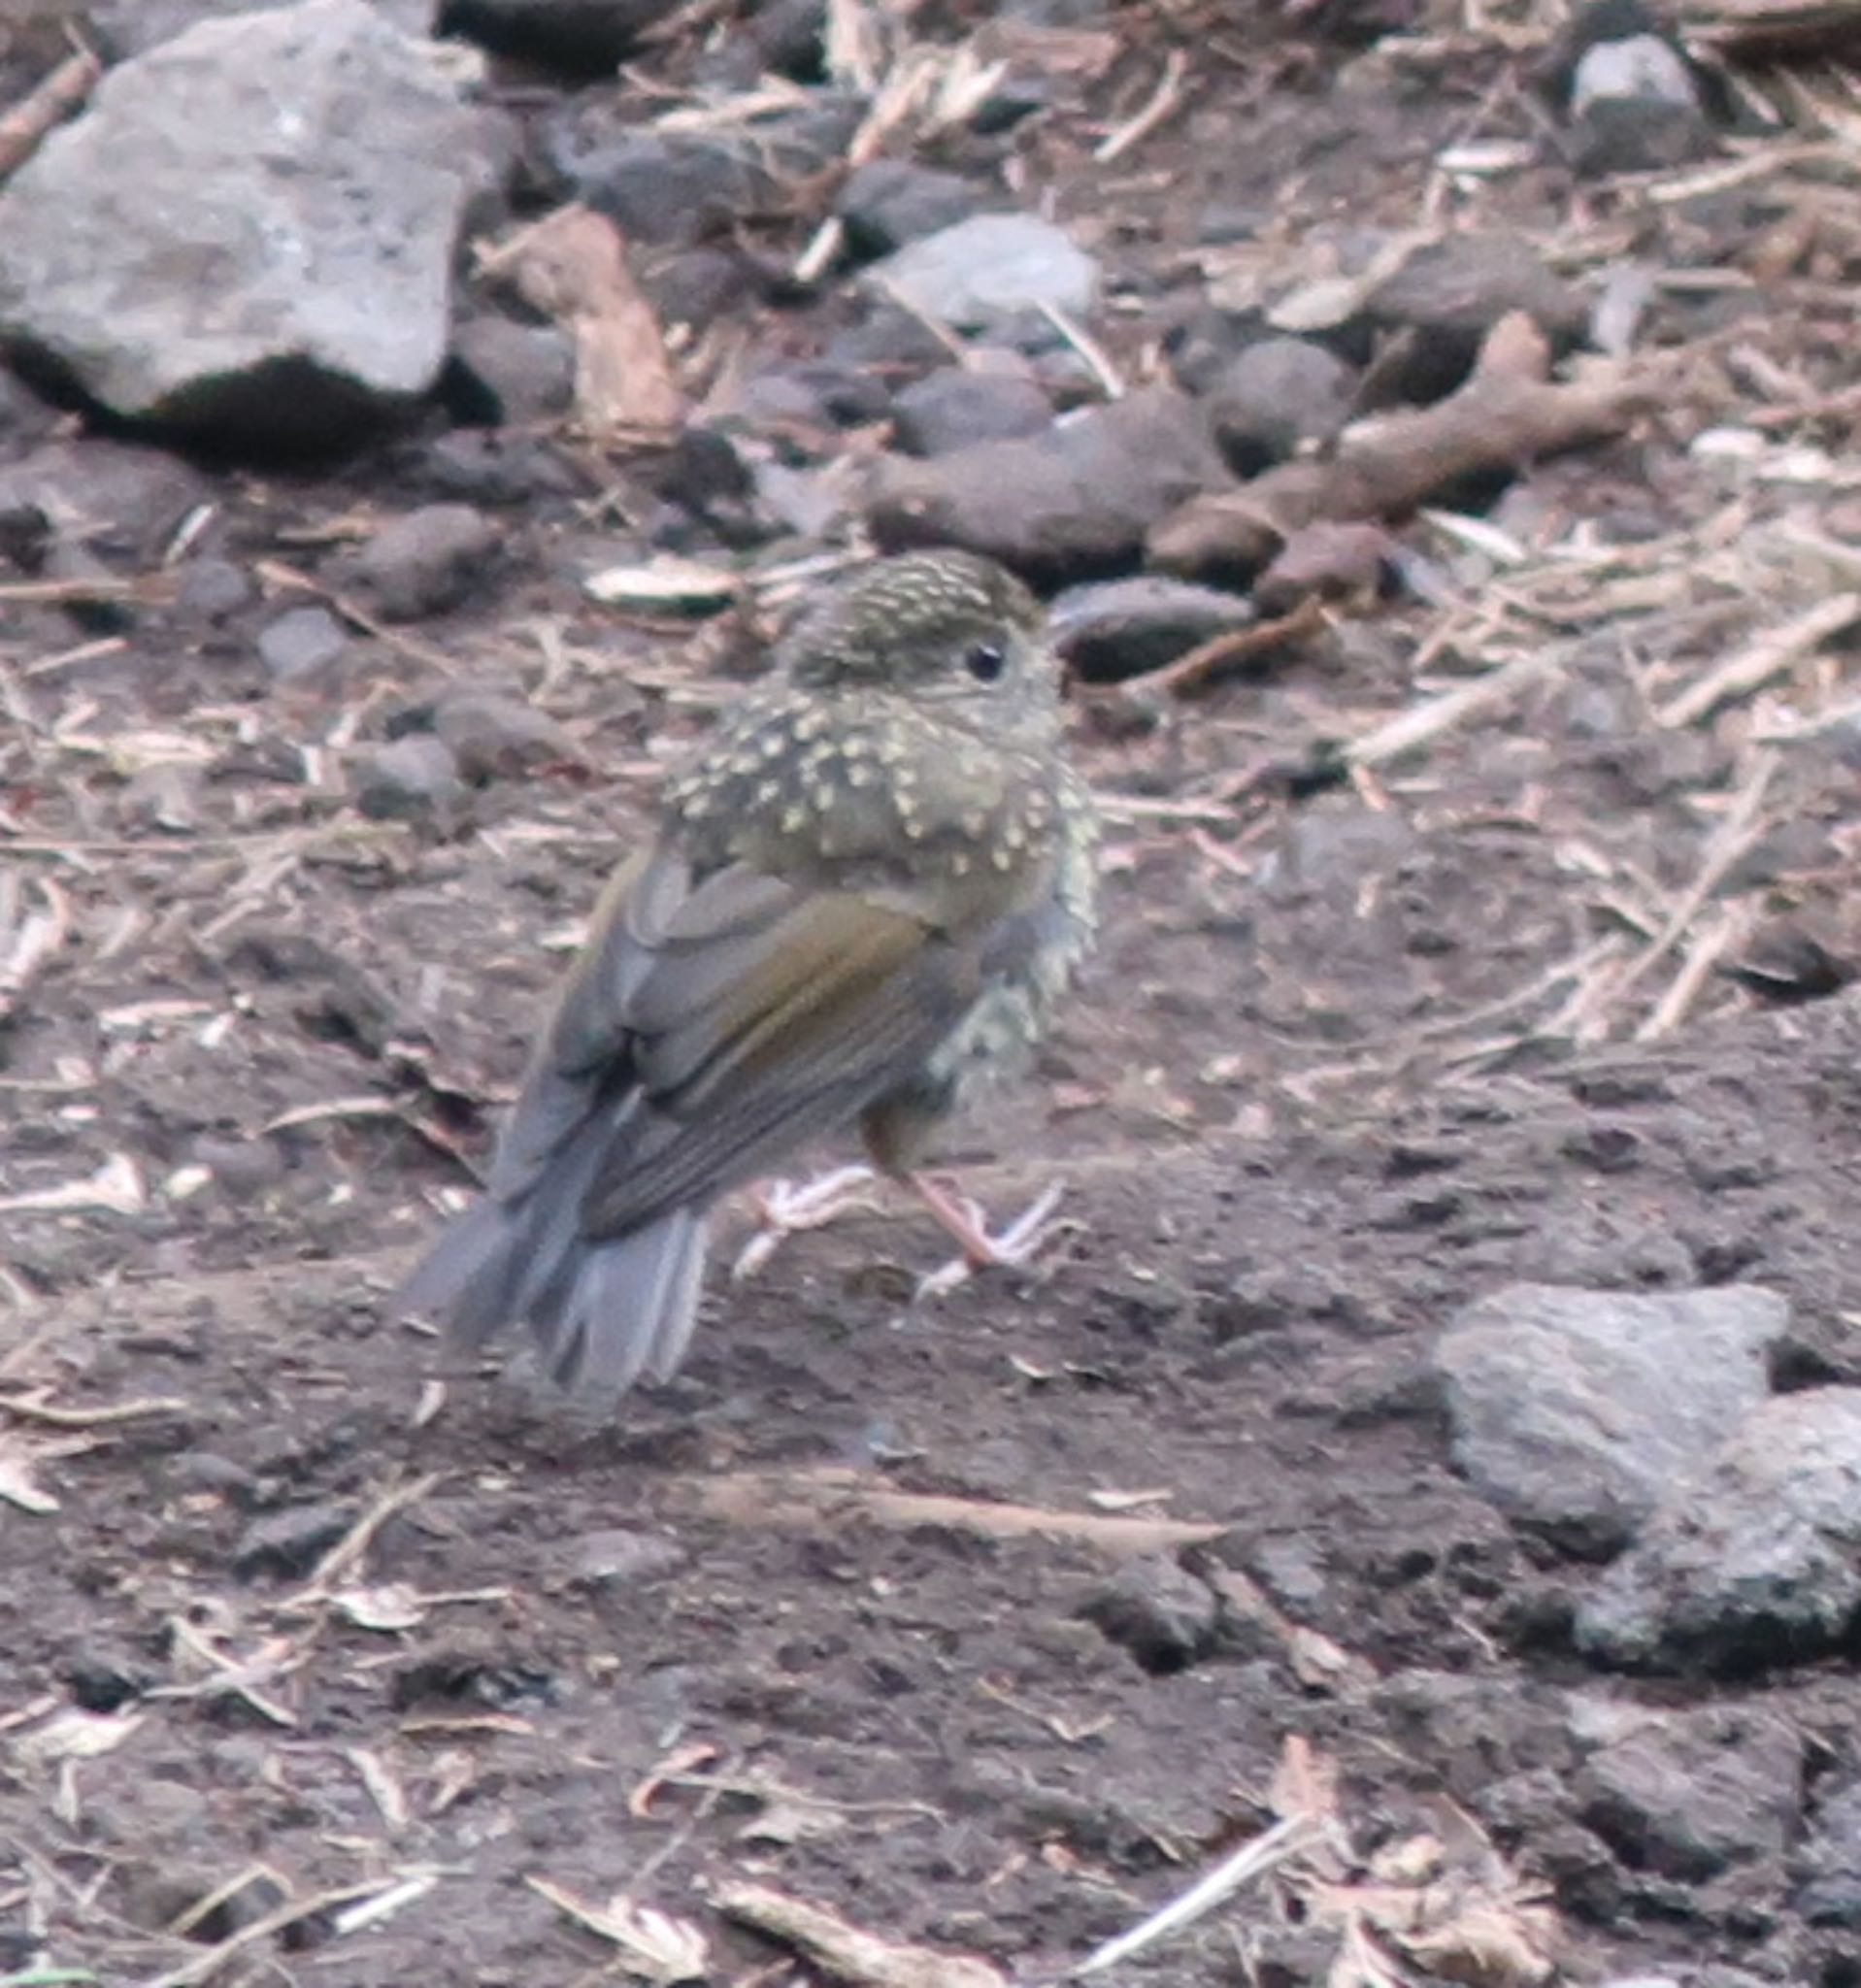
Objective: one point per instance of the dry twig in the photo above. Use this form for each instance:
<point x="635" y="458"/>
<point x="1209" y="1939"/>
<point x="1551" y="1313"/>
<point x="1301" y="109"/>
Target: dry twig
<point x="1769" y="656"/>
<point x="858" y="1958"/>
<point x="817" y="1500"/>
<point x="45" y="107"/>
<point x="1509" y="412"/>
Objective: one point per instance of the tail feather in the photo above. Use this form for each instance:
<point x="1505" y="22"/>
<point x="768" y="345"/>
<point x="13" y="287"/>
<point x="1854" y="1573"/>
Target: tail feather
<point x="628" y="1307"/>
<point x="602" y="1310"/>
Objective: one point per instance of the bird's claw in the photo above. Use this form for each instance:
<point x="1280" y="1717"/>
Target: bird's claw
<point x="786" y="1207"/>
<point x="1019" y="1243"/>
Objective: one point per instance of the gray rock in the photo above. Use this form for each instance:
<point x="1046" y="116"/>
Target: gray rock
<point x="791" y="38"/>
<point x="112" y="495"/>
<point x="671" y="191"/>
<point x="620" y="1558"/>
<point x="1463" y="284"/>
<point x="211" y="589"/>
<point x="424" y="562"/>
<point x="990" y="266"/>
<point x="676" y="189"/>
<point x="320" y="206"/>
<point x="1638" y="133"/>
<point x="1112" y="629"/>
<point x="287" y="1545"/>
<point x="1157" y="1610"/>
<point x="1205" y="342"/>
<point x="131" y="27"/>
<point x="1275" y="395"/>
<point x="1575" y="1411"/>
<point x="1753" y="1560"/>
<point x="1646" y="65"/>
<point x="529" y="368"/>
<point x="580" y="38"/>
<point x="491" y="737"/>
<point x="1828" y="1864"/>
<point x="300" y="641"/>
<point x="408" y="778"/>
<point x="1473" y="1731"/>
<point x="887" y="340"/>
<point x="886" y="203"/>
<point x="1688" y="1794"/>
<point x="1064" y="504"/>
<point x="489" y="466"/>
<point x="952" y="408"/>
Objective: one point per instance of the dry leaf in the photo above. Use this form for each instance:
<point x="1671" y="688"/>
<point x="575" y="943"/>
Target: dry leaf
<point x="654" y="1945"/>
<point x="390" y="1608"/>
<point x="74" y="1735"/>
<point x="115" y="1186"/>
<point x="681" y="586"/>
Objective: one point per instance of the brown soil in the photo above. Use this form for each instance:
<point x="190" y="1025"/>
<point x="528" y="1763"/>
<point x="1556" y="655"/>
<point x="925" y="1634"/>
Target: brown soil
<point x="1301" y="1112"/>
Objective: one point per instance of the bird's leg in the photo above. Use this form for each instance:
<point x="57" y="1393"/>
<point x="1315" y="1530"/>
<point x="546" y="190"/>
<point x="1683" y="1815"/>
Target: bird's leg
<point x="965" y="1219"/>
<point x="786" y="1207"/>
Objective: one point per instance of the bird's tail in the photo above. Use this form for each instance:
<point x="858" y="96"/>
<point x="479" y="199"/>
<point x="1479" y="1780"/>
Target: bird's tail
<point x="603" y="1311"/>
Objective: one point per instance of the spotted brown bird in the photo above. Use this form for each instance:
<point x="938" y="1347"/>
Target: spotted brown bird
<point x="867" y="890"/>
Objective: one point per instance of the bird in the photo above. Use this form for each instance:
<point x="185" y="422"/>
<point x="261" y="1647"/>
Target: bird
<point x="866" y="892"/>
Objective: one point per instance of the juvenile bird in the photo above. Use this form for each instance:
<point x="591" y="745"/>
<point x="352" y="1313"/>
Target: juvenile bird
<point x="867" y="889"/>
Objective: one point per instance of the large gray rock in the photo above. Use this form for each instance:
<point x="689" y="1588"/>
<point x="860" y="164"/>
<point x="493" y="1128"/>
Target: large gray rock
<point x="131" y="27"/>
<point x="1753" y="1561"/>
<point x="1575" y="1411"/>
<point x="1688" y="1794"/>
<point x="250" y="232"/>
<point x="1067" y="504"/>
<point x="988" y="267"/>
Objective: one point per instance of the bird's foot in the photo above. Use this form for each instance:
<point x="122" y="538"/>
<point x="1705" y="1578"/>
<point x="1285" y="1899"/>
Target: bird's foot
<point x="1019" y="1243"/>
<point x="786" y="1207"/>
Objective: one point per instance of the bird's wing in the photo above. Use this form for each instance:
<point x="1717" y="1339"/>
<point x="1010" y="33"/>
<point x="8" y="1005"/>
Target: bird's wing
<point x="711" y="1029"/>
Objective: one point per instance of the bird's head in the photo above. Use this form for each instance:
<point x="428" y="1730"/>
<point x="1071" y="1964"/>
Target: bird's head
<point x="955" y="634"/>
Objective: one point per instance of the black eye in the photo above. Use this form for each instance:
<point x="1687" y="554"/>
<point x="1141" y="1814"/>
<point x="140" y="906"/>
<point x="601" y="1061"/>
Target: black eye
<point x="986" y="662"/>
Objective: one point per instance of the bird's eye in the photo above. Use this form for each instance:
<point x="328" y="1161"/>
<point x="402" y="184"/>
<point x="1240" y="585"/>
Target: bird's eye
<point x="986" y="662"/>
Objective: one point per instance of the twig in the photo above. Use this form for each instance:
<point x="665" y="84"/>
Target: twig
<point x="45" y="107"/>
<point x="204" y="1967"/>
<point x="1423" y="723"/>
<point x="859" y="1958"/>
<point x="1221" y="653"/>
<point x="1769" y="656"/>
<point x="274" y="573"/>
<point x="1286" y="1839"/>
<point x="353" y="1543"/>
<point x="70" y="658"/>
<point x="1734" y="836"/>
<point x="1509" y="412"/>
<point x="814" y="1500"/>
<point x="147" y="588"/>
<point x="1096" y="357"/>
<point x="1156" y="109"/>
<point x="35" y="1408"/>
<point x="1702" y="958"/>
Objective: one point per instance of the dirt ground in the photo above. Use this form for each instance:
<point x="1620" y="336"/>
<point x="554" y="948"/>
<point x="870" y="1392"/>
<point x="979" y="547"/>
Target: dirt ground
<point x="1331" y="1075"/>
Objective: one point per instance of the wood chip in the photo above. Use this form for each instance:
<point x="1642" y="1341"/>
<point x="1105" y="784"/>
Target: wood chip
<point x="573" y="267"/>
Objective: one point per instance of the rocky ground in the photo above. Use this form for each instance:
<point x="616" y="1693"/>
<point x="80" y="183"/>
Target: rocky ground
<point x="1422" y="1487"/>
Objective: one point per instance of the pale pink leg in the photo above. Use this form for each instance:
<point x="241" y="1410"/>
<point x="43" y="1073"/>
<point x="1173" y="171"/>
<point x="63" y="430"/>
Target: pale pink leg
<point x="1019" y="1243"/>
<point x="786" y="1207"/>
